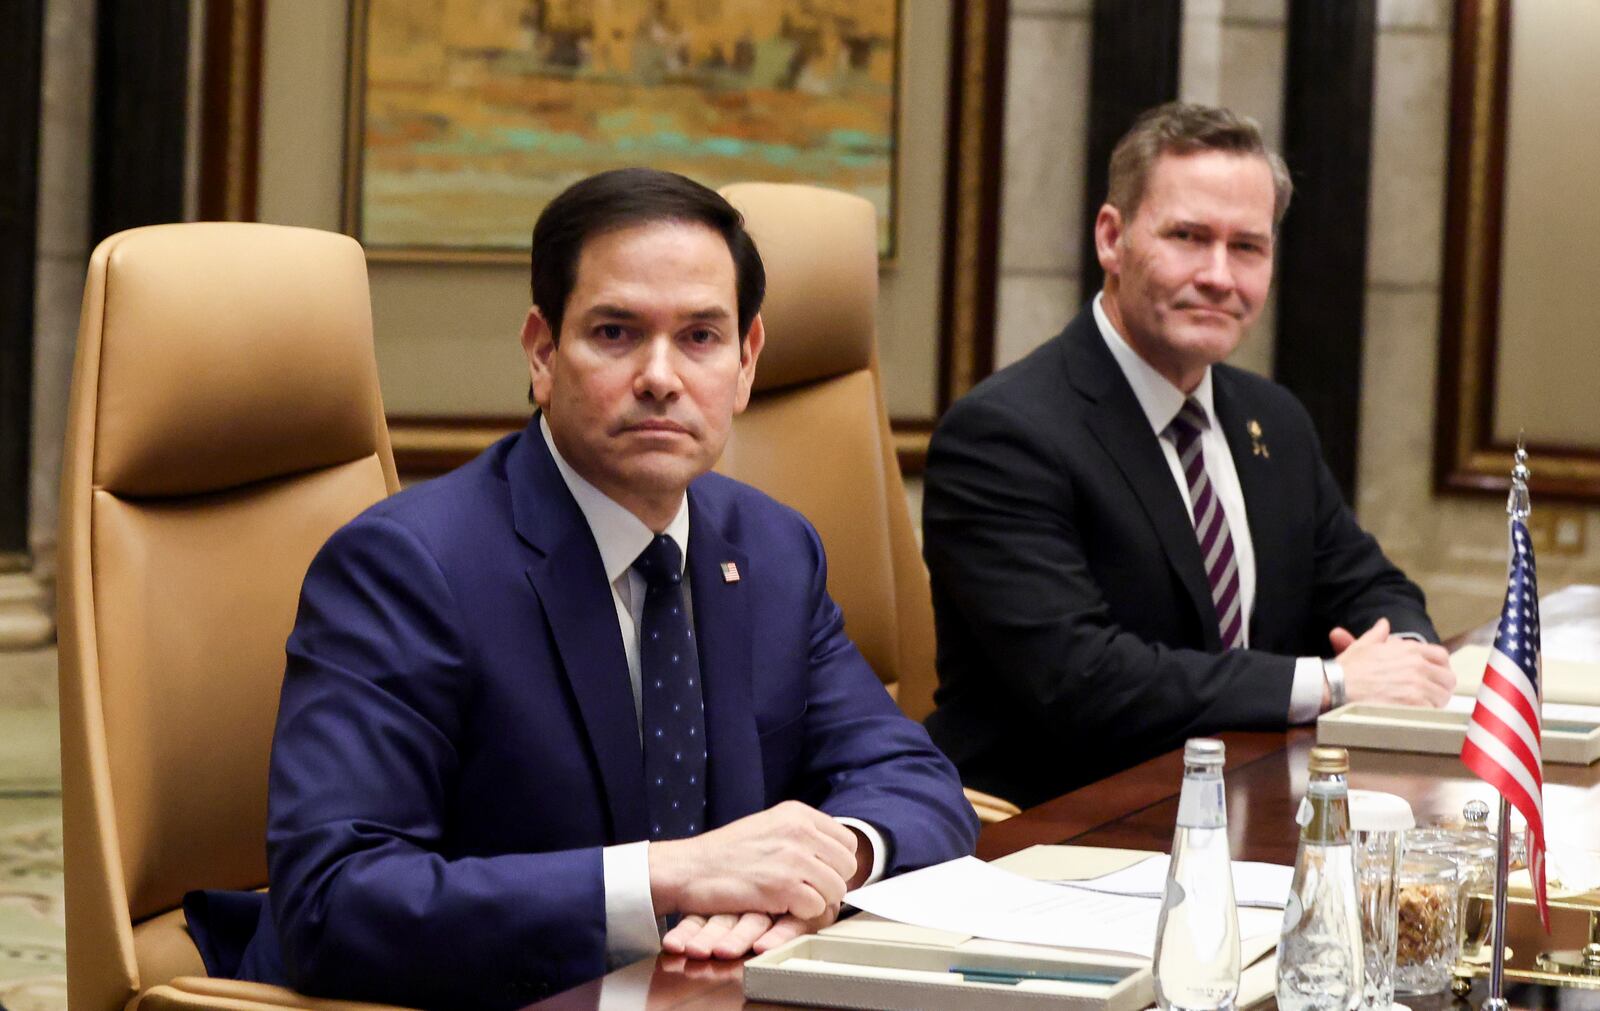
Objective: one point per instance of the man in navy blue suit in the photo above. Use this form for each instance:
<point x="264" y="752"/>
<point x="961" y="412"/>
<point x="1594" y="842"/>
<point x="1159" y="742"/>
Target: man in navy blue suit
<point x="581" y="690"/>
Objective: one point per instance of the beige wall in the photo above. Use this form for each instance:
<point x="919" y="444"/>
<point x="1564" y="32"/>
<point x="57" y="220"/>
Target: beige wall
<point x="447" y="334"/>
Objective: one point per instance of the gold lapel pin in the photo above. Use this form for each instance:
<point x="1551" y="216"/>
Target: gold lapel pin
<point x="1257" y="447"/>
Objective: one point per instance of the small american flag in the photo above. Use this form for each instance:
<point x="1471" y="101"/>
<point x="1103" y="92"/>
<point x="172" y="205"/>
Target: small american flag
<point x="1503" y="739"/>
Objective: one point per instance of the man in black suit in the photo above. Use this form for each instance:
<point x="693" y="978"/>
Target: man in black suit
<point x="1132" y="543"/>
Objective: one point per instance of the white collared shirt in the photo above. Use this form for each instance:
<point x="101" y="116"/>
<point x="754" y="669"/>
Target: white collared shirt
<point x="632" y="931"/>
<point x="1161" y="401"/>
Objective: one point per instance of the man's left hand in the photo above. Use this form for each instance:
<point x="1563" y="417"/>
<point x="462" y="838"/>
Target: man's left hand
<point x="728" y="935"/>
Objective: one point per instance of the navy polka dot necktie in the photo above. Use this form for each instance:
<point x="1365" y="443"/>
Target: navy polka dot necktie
<point x="674" y="717"/>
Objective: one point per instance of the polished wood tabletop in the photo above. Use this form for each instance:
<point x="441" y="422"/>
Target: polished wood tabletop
<point x="1137" y="808"/>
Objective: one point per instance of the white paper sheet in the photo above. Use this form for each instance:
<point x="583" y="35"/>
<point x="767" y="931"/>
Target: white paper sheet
<point x="1255" y="885"/>
<point x="971" y="897"/>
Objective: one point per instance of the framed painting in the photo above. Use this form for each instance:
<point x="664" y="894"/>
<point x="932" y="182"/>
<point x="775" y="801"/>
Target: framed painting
<point x="445" y="307"/>
<point x="467" y="116"/>
<point x="1519" y="310"/>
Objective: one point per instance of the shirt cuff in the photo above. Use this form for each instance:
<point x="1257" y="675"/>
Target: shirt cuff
<point x="631" y="929"/>
<point x="1305" y="697"/>
<point x="1413" y="636"/>
<point x="875" y="839"/>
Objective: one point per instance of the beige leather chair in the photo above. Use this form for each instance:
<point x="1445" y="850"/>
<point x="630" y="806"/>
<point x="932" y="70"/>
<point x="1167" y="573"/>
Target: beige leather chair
<point x="816" y="435"/>
<point x="225" y="419"/>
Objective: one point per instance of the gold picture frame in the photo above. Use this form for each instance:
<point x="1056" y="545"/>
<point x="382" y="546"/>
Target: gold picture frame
<point x="963" y="266"/>
<point x="476" y="136"/>
<point x="1469" y="457"/>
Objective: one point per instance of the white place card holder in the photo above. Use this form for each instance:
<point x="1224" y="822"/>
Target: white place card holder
<point x="849" y="972"/>
<point x="1571" y="734"/>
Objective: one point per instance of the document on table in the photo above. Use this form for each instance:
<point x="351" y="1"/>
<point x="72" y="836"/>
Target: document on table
<point x="968" y="896"/>
<point x="1255" y="885"/>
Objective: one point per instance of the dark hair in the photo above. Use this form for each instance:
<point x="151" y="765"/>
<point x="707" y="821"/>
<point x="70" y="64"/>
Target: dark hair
<point x="622" y="198"/>
<point x="1186" y="128"/>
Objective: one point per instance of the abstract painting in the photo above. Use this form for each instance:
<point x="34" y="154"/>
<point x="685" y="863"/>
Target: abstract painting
<point x="468" y="116"/>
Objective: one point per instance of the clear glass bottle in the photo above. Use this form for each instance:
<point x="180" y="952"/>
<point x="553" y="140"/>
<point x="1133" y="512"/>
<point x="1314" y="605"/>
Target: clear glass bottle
<point x="1319" y="950"/>
<point x="1197" y="938"/>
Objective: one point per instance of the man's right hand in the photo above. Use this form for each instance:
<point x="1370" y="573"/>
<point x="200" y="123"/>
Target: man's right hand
<point x="1380" y="668"/>
<point x="788" y="859"/>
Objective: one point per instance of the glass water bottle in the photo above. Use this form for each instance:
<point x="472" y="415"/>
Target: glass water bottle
<point x="1197" y="938"/>
<point x="1319" y="949"/>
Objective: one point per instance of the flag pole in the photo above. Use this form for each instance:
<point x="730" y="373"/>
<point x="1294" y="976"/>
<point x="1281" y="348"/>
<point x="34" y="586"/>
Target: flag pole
<point x="1517" y="509"/>
<point x="1502" y="871"/>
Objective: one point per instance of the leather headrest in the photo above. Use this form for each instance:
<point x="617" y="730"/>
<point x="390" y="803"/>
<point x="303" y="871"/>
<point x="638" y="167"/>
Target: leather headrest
<point x="230" y="353"/>
<point x="820" y="249"/>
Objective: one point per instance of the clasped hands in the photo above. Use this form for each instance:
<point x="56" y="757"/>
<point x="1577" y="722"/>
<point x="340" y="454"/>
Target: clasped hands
<point x="755" y="883"/>
<point x="1379" y="667"/>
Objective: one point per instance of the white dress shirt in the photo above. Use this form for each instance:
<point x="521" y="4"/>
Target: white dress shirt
<point x="632" y="931"/>
<point x="1161" y="401"/>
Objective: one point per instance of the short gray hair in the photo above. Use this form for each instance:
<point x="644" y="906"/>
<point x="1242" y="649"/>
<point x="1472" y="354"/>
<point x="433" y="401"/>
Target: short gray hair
<point x="1186" y="128"/>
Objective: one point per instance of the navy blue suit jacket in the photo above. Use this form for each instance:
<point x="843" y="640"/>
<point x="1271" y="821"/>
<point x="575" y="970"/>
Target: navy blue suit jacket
<point x="457" y="738"/>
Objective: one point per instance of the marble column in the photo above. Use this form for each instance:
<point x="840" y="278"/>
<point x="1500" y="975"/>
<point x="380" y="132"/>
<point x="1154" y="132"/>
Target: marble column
<point x="1047" y="97"/>
<point x="27" y="599"/>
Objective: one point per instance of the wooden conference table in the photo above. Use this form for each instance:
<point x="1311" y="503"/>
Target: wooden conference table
<point x="1137" y="808"/>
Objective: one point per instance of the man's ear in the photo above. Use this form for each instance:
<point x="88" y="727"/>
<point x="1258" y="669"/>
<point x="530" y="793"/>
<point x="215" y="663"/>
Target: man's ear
<point x="749" y="351"/>
<point x="1108" y="228"/>
<point x="539" y="345"/>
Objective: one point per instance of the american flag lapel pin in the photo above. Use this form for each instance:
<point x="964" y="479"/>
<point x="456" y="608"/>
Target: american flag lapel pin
<point x="730" y="572"/>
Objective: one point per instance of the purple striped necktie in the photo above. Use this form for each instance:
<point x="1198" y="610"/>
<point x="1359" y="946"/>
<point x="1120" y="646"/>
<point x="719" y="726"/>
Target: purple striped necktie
<point x="1210" y="524"/>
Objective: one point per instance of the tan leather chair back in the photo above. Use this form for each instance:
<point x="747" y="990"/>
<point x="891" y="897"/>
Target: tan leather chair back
<point x="816" y="435"/>
<point x="225" y="419"/>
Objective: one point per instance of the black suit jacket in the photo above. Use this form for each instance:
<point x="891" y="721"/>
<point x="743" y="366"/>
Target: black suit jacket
<point x="1076" y="631"/>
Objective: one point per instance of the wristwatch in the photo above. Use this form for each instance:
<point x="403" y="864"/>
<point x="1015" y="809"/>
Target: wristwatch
<point x="1333" y="676"/>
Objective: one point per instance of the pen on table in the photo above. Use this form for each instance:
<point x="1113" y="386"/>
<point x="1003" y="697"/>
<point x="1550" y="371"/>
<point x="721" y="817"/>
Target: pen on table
<point x="1011" y="977"/>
